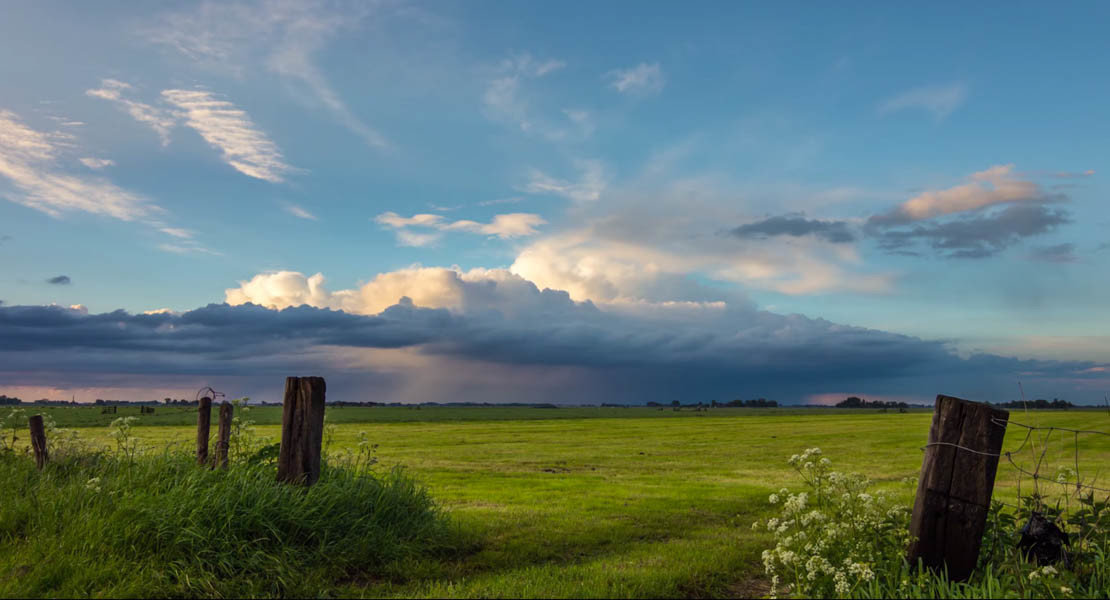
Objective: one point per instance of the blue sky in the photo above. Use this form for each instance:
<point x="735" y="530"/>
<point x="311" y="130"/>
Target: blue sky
<point x="932" y="172"/>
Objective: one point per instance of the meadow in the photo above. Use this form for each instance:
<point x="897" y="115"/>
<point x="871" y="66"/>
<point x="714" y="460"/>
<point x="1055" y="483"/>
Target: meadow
<point x="592" y="502"/>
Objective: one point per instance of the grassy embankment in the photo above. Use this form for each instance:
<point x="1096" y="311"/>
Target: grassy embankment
<point x="592" y="502"/>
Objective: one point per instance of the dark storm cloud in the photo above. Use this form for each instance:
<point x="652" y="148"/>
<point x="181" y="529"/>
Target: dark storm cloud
<point x="59" y="280"/>
<point x="594" y="356"/>
<point x="976" y="236"/>
<point x="1059" y="253"/>
<point x="796" y="225"/>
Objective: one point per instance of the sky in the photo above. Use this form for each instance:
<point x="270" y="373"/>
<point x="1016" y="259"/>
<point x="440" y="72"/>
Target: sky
<point x="555" y="202"/>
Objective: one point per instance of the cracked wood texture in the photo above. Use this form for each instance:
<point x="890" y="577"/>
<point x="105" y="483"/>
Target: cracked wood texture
<point x="302" y="430"/>
<point x="954" y="491"/>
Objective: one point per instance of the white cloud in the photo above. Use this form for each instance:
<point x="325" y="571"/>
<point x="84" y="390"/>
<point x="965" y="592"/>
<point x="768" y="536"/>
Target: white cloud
<point x="300" y="213"/>
<point x="940" y="100"/>
<point x="996" y="185"/>
<point x="504" y="226"/>
<point x="587" y="189"/>
<point x="505" y="102"/>
<point x="281" y="36"/>
<point x="231" y="131"/>
<point x="644" y="78"/>
<point x="159" y="120"/>
<point x="97" y="163"/>
<point x="32" y="162"/>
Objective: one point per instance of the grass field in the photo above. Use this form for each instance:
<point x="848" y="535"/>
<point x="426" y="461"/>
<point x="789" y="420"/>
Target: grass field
<point x="613" y="502"/>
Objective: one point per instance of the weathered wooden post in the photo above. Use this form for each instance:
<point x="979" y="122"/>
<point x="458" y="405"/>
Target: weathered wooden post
<point x="204" y="423"/>
<point x="302" y="430"/>
<point x="954" y="491"/>
<point x="38" y="441"/>
<point x="223" y="434"/>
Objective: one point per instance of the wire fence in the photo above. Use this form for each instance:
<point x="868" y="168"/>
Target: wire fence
<point x="1039" y="458"/>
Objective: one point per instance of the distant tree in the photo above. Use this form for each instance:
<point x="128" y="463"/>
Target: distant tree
<point x="675" y="404"/>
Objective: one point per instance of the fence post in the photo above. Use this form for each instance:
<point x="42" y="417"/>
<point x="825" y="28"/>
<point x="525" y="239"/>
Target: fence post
<point x="302" y="430"/>
<point x="223" y="434"/>
<point x="954" y="491"/>
<point x="204" y="423"/>
<point x="38" y="441"/>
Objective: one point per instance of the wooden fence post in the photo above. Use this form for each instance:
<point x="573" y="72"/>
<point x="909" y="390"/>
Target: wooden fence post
<point x="954" y="491"/>
<point x="223" y="435"/>
<point x="302" y="430"/>
<point x="38" y="441"/>
<point x="204" y="422"/>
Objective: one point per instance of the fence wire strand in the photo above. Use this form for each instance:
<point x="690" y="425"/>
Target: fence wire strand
<point x="1038" y="459"/>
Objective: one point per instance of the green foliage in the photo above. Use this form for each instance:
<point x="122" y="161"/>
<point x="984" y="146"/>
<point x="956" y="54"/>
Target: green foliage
<point x="833" y="538"/>
<point x="836" y="540"/>
<point x="181" y="530"/>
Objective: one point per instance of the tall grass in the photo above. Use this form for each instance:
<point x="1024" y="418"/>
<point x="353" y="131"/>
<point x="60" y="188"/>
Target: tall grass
<point x="156" y="524"/>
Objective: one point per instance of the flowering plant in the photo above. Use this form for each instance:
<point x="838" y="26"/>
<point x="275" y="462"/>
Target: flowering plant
<point x="833" y="537"/>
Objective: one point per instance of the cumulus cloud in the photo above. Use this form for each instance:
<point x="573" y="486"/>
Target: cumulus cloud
<point x="644" y="78"/>
<point x="991" y="212"/>
<point x="231" y="131"/>
<point x="160" y="120"/>
<point x="33" y="162"/>
<point x="940" y="100"/>
<point x="59" y="280"/>
<point x="796" y="225"/>
<point x="506" y="226"/>
<point x="501" y="325"/>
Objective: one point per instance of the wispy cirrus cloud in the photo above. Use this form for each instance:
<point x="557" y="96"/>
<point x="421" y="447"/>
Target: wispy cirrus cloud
<point x="299" y="212"/>
<point x="281" y="37"/>
<point x="97" y="163"/>
<point x="505" y="226"/>
<point x="642" y="79"/>
<point x="230" y="130"/>
<point x="506" y="100"/>
<point x="34" y="163"/>
<point x="588" y="188"/>
<point x="939" y="100"/>
<point x="161" y="121"/>
<point x="38" y="166"/>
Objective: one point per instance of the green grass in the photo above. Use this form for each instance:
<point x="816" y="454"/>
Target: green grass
<point x="614" y="502"/>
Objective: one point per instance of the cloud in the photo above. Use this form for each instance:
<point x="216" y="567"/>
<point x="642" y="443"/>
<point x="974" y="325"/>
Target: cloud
<point x="282" y="37"/>
<point x="505" y="226"/>
<point x="33" y="162"/>
<point x="505" y="101"/>
<point x="587" y="189"/>
<point x="796" y="225"/>
<point x="97" y="163"/>
<point x="231" y="131"/>
<point x="161" y="121"/>
<point x="299" y="212"/>
<point x="977" y="219"/>
<point x="495" y="336"/>
<point x="996" y="185"/>
<point x="642" y="79"/>
<point x="59" y="280"/>
<point x="1059" y="253"/>
<point x="978" y="236"/>
<point x="940" y="100"/>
